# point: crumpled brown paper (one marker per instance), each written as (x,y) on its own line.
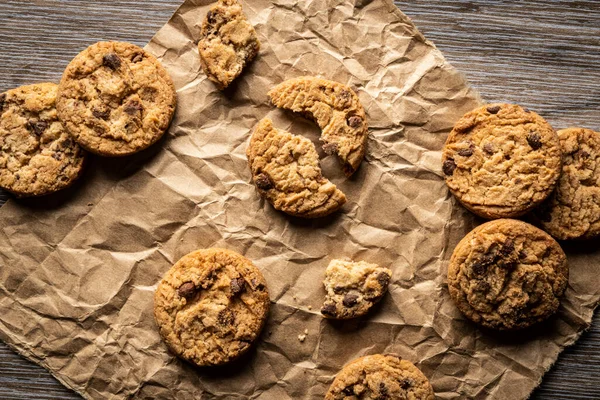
(79,269)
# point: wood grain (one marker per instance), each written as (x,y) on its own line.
(542,54)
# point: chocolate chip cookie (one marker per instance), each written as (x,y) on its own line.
(353,288)
(507,274)
(501,160)
(211,306)
(335,108)
(285,169)
(573,209)
(37,155)
(227,44)
(115,99)
(379,377)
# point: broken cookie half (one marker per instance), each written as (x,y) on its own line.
(335,108)
(227,44)
(353,288)
(285,169)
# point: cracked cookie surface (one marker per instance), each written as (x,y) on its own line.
(379,377)
(353,288)
(227,44)
(337,111)
(37,155)
(507,274)
(501,160)
(573,210)
(285,169)
(116,99)
(211,306)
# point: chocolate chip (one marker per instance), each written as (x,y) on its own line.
(383,279)
(226,317)
(330,148)
(406,383)
(263,182)
(38,127)
(466,152)
(383,391)
(137,58)
(488,148)
(350,300)
(237,285)
(345,96)
(187,290)
(338,289)
(328,309)
(507,248)
(478,268)
(101,114)
(522,254)
(494,109)
(112,61)
(133,107)
(354,121)
(449,166)
(17,176)
(211,17)
(348,390)
(534,140)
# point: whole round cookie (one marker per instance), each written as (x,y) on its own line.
(507,274)
(115,99)
(501,160)
(37,155)
(211,306)
(573,210)
(380,377)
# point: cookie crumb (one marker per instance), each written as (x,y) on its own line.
(302,338)
(310,307)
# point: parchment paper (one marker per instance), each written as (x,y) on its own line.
(78,270)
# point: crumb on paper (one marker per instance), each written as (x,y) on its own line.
(302,338)
(310,307)
(90,204)
(306,331)
(295,298)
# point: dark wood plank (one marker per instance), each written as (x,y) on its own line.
(545,55)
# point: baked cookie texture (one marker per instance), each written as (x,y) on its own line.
(115,99)
(379,377)
(501,160)
(337,111)
(211,306)
(227,44)
(353,288)
(37,155)
(573,209)
(507,274)
(285,169)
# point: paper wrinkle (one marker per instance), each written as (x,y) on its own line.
(78,278)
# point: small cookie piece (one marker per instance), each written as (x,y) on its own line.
(573,210)
(379,377)
(335,108)
(501,160)
(507,274)
(227,44)
(115,99)
(353,288)
(37,155)
(211,306)
(285,169)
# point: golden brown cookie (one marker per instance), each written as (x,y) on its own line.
(573,209)
(285,169)
(379,377)
(335,108)
(227,44)
(37,155)
(353,288)
(501,160)
(211,306)
(507,274)
(115,99)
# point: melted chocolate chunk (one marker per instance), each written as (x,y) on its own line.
(465,152)
(330,148)
(383,279)
(354,121)
(449,166)
(237,285)
(38,127)
(328,309)
(350,300)
(507,248)
(112,61)
(263,182)
(187,290)
(133,107)
(534,140)
(226,317)
(101,114)
(494,109)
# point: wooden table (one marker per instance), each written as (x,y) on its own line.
(542,54)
